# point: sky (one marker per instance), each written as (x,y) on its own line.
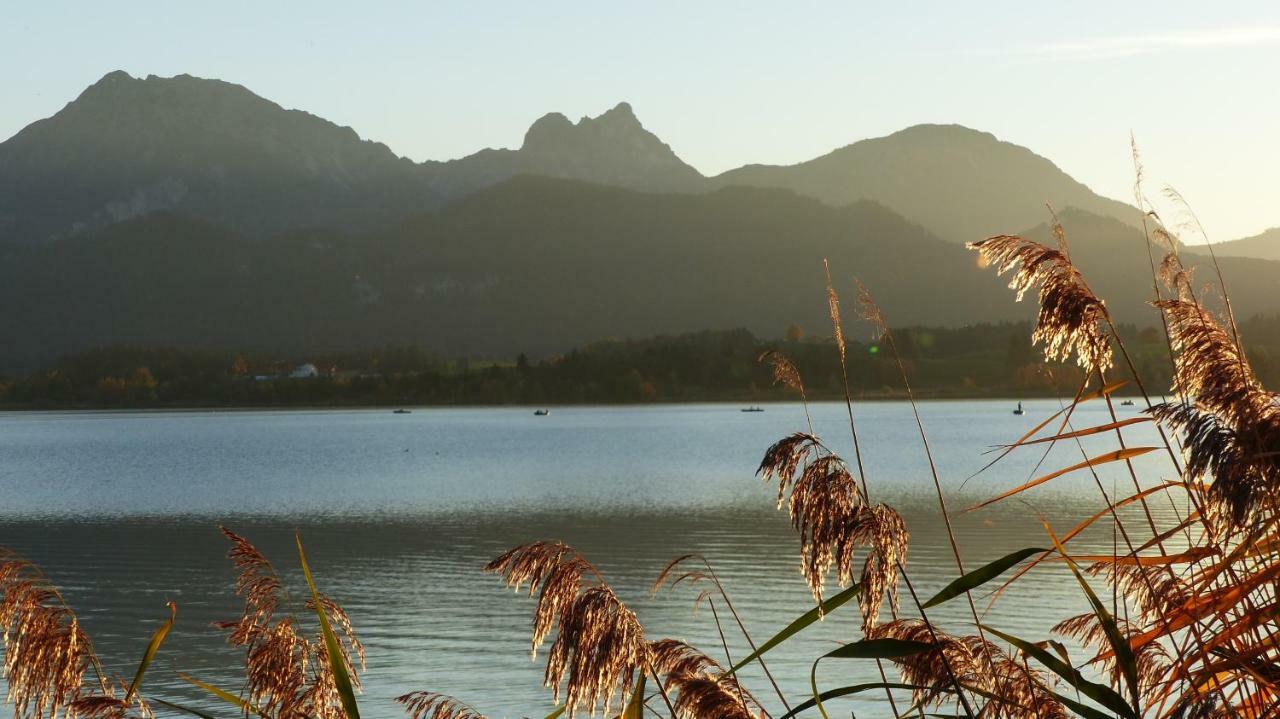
(724,83)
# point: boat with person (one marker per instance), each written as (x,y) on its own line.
(753,408)
(541,412)
(1019,409)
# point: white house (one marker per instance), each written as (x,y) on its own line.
(305,371)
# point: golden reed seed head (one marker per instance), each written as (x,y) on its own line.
(46,653)
(1229,422)
(700,689)
(287,670)
(784,370)
(599,649)
(1153,660)
(1007,685)
(833,308)
(259,586)
(430,705)
(1071,319)
(869,310)
(828,513)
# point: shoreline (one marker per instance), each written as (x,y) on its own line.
(734,403)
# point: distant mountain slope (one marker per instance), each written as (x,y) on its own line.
(959,183)
(1264,246)
(206,148)
(537,265)
(611,149)
(532,264)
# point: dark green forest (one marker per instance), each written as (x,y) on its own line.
(986,360)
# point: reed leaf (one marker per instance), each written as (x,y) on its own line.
(1103,391)
(846,691)
(183,708)
(341,679)
(982,575)
(226,696)
(635,707)
(1090,430)
(152,647)
(1114,456)
(1123,652)
(1104,695)
(883,648)
(800,622)
(1194,554)
(1080,708)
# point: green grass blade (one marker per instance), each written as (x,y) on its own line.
(845,691)
(337,665)
(182,708)
(225,696)
(152,647)
(1084,710)
(864,649)
(1125,658)
(556,714)
(982,575)
(800,622)
(1104,695)
(878,649)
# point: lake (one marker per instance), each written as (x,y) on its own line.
(399,512)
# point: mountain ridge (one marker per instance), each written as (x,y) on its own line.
(215,149)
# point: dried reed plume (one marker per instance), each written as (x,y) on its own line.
(110,705)
(599,650)
(833,308)
(46,653)
(1230,423)
(258,584)
(1153,659)
(287,670)
(430,705)
(784,370)
(1071,318)
(833,521)
(1012,690)
(698,683)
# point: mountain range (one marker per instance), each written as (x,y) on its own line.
(192,212)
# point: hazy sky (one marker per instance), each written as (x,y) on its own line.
(724,83)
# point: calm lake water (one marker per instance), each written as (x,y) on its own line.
(400,512)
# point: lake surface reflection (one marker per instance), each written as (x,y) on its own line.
(400,512)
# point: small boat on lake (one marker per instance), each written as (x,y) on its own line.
(1019,409)
(1127,403)
(403,411)
(541,412)
(753,409)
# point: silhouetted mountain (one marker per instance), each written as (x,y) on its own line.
(205,148)
(1264,246)
(215,150)
(161,192)
(612,149)
(961,184)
